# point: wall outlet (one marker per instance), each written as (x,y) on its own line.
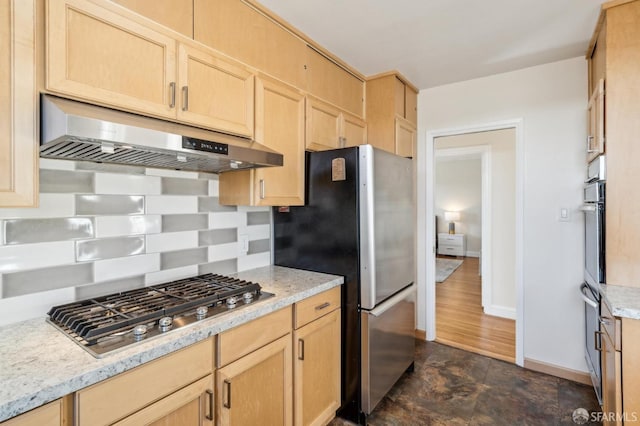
(243,244)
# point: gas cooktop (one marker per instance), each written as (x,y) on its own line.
(107,323)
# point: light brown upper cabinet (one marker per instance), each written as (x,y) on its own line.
(405,137)
(213,92)
(174,14)
(18,100)
(279,126)
(98,54)
(328,127)
(392,113)
(241,31)
(332,83)
(614,56)
(595,111)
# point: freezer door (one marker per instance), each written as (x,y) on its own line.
(386,224)
(388,345)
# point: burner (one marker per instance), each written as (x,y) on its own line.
(111,322)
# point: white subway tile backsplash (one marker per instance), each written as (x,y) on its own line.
(172,241)
(257,232)
(254,261)
(33,305)
(172,173)
(121,267)
(171,204)
(113,226)
(50,205)
(223,252)
(40,255)
(226,220)
(108,248)
(171,274)
(214,187)
(104,228)
(112,183)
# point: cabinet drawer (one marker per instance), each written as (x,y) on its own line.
(115,398)
(316,306)
(451,250)
(450,240)
(610,325)
(244,339)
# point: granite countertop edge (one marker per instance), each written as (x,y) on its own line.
(63,367)
(623,301)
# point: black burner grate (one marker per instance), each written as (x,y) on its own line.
(92,319)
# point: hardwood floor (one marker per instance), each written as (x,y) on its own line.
(460,321)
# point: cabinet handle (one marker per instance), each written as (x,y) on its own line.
(209,416)
(262,189)
(342,142)
(597,337)
(324,305)
(589,150)
(172,86)
(185,98)
(227,402)
(301,349)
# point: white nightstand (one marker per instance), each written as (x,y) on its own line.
(452,244)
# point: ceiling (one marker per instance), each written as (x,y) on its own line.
(435,42)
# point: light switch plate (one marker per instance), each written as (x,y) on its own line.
(243,244)
(565,215)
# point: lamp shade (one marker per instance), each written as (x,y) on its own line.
(451,216)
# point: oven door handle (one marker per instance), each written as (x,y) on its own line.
(586,299)
(588,208)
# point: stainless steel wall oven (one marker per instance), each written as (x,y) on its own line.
(594,266)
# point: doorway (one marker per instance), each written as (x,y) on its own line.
(426,226)
(473,310)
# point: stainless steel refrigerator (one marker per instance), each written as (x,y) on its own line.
(358,222)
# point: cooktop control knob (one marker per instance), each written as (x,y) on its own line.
(139,332)
(164,324)
(232,301)
(248,297)
(201,312)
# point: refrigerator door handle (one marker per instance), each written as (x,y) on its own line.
(392,301)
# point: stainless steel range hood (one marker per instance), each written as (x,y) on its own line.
(72,130)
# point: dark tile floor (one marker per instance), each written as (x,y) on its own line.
(453,387)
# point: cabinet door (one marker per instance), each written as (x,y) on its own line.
(317,370)
(595,138)
(214,93)
(51,414)
(323,125)
(411,106)
(175,14)
(329,81)
(405,137)
(18,100)
(256,389)
(280,126)
(98,55)
(611,381)
(192,405)
(354,130)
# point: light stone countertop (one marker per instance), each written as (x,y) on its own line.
(623,301)
(38,363)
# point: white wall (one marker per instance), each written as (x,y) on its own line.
(551,100)
(459,188)
(503,211)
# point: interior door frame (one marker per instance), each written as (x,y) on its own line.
(426,226)
(484,153)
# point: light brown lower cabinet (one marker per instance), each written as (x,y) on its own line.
(192,405)
(317,370)
(257,388)
(611,380)
(54,413)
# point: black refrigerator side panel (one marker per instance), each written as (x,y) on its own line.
(323,236)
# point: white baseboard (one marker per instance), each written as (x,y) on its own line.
(500,311)
(472,254)
(555,370)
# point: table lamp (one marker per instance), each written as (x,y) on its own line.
(451,217)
